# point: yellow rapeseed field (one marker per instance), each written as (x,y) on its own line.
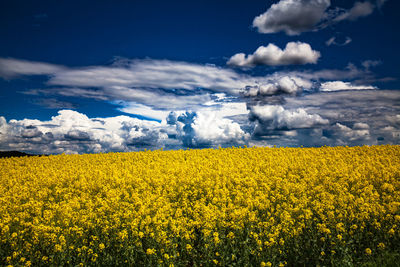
(225,207)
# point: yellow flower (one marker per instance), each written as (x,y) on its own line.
(57,248)
(230,235)
(368,251)
(381,245)
(150,251)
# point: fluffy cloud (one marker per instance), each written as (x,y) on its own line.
(296,16)
(277,117)
(356,133)
(280,85)
(294,53)
(339,85)
(339,134)
(291,16)
(205,129)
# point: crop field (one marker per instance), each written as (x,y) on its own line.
(328,206)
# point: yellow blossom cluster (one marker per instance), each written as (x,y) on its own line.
(233,206)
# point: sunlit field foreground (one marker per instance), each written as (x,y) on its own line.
(225,207)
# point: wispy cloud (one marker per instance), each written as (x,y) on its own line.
(339,85)
(333,41)
(360,9)
(10,68)
(154,74)
(53,103)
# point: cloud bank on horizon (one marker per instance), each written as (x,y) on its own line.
(272,96)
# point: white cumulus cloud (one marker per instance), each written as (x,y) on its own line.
(278,85)
(277,117)
(207,128)
(294,53)
(346,134)
(291,16)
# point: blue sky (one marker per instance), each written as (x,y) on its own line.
(88,77)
